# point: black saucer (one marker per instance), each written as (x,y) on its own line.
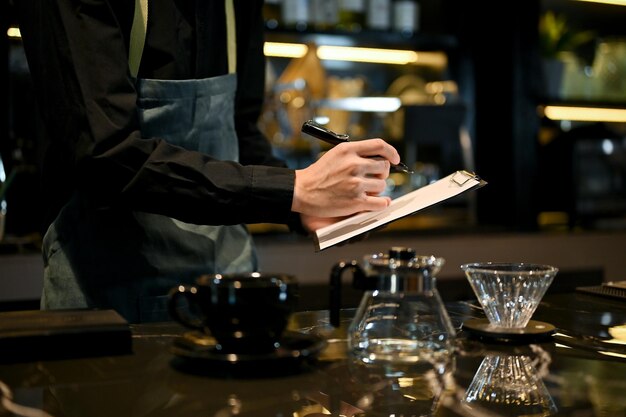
(199,350)
(533,332)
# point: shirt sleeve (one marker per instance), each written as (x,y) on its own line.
(77,54)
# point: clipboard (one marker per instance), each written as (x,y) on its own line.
(450,186)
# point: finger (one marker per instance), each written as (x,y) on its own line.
(377,147)
(378,203)
(378,168)
(374,186)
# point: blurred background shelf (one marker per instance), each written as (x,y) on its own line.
(543,174)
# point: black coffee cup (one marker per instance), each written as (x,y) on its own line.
(245,312)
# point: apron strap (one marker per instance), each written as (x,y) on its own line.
(140,29)
(231,37)
(138,36)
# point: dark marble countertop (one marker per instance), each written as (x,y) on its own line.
(580,371)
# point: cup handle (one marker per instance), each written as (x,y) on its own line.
(335,289)
(188,292)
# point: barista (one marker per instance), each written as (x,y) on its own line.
(154,160)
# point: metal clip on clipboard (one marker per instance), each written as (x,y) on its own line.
(461,177)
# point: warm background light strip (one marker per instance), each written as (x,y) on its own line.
(285,50)
(14,33)
(614,2)
(355,54)
(585,114)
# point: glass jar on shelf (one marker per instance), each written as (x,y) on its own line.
(352,15)
(378,14)
(272,13)
(296,14)
(324,14)
(406,17)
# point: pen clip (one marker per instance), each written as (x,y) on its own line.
(310,127)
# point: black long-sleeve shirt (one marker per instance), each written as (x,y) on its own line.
(78,57)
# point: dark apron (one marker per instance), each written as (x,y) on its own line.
(127,260)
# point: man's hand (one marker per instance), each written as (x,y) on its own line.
(347,179)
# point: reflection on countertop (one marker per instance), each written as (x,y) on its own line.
(482,378)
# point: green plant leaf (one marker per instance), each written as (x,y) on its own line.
(555,35)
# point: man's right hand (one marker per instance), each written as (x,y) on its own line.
(347,179)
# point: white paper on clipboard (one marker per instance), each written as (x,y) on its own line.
(452,185)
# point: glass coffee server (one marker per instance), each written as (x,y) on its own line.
(401,320)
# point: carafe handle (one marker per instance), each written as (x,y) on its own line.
(335,288)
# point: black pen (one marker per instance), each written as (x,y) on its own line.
(310,127)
